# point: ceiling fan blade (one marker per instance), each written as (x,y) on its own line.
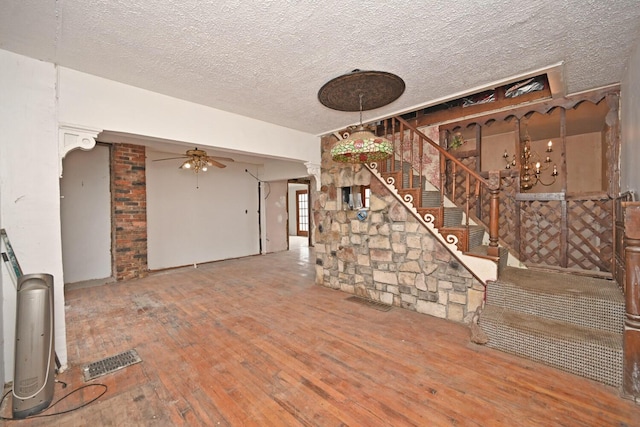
(170,158)
(216,163)
(224,159)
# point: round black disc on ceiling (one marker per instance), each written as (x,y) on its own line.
(378,88)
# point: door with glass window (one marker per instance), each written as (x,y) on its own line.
(302,212)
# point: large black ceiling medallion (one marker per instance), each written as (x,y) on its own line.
(361,90)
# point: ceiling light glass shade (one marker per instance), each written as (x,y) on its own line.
(186,165)
(362,146)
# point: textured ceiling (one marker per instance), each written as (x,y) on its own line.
(268,59)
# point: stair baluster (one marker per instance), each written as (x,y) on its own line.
(406,170)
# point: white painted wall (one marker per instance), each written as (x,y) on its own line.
(199,218)
(293,217)
(630,122)
(85,210)
(3,377)
(104,104)
(30,191)
(276,170)
(275,205)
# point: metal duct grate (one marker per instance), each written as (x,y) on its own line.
(110,364)
(369,303)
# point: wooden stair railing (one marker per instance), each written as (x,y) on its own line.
(406,168)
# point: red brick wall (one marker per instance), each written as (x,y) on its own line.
(129,211)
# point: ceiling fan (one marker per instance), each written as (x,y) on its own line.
(197,160)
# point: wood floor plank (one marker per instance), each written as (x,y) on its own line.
(254,342)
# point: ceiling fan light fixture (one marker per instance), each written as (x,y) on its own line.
(198,160)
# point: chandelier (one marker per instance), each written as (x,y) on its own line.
(532,165)
(358,91)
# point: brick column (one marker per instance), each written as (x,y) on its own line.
(129,211)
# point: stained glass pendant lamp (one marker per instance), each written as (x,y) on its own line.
(361,91)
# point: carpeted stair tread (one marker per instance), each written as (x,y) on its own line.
(594,303)
(555,328)
(591,353)
(561,283)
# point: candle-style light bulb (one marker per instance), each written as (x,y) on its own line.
(549,146)
(537,167)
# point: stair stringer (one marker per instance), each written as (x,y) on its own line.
(481,268)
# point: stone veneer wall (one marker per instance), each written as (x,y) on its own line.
(129,211)
(389,257)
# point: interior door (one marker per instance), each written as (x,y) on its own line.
(302,212)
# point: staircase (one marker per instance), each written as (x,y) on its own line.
(571,322)
(428,203)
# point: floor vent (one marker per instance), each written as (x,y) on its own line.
(369,303)
(110,364)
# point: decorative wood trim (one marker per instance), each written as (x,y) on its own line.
(457,236)
(410,195)
(432,215)
(314,169)
(71,137)
(542,107)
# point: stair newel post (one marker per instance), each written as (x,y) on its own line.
(631,363)
(494,213)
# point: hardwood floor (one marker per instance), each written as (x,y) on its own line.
(254,342)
